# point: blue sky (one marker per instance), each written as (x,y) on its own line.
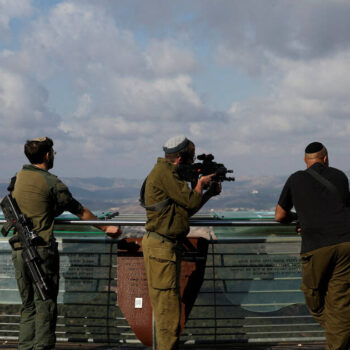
(252,82)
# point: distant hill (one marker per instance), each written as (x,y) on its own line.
(100,193)
(122,194)
(105,193)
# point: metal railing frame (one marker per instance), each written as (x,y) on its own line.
(193,222)
(204,221)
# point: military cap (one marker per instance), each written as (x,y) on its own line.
(175,144)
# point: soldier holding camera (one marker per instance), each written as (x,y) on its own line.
(41,196)
(170,203)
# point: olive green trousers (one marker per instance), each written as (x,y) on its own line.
(38,318)
(163,263)
(326,287)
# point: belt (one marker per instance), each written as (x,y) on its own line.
(161,237)
(51,244)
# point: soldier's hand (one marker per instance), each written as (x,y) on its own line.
(215,188)
(204,181)
(112,231)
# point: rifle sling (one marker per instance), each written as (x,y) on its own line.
(159,205)
(331,187)
(154,207)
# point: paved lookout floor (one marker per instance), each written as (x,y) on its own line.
(72,346)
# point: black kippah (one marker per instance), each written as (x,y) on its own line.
(314,147)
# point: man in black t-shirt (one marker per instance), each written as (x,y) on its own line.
(321,198)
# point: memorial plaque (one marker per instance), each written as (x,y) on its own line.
(133,298)
(262,277)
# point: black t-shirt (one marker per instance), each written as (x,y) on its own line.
(324,216)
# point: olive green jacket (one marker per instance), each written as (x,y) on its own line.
(41,196)
(162,183)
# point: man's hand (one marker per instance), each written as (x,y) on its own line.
(112,231)
(203,183)
(214,188)
(284,216)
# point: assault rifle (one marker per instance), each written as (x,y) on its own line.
(28,239)
(191,172)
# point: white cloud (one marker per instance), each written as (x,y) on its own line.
(82,39)
(22,101)
(84,106)
(249,33)
(10,9)
(23,115)
(121,96)
(163,98)
(132,84)
(311,101)
(165,58)
(136,110)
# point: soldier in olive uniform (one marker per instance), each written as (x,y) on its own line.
(169,204)
(41,196)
